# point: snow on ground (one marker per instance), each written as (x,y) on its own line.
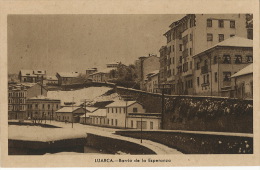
(37,133)
(89,93)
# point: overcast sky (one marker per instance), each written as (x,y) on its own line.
(76,42)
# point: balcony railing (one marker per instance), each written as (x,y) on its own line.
(204,69)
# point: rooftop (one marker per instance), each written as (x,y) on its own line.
(68,74)
(68,109)
(247,70)
(41,97)
(121,103)
(98,112)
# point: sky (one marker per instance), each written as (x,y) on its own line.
(64,43)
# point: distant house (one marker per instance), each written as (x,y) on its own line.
(98,117)
(51,81)
(113,65)
(152,82)
(69,114)
(84,119)
(101,76)
(32,76)
(18,95)
(244,83)
(65,78)
(90,71)
(41,107)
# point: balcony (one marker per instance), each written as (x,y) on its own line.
(204,69)
(204,84)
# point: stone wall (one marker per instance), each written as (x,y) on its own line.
(197,113)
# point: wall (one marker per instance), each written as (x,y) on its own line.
(247,81)
(192,143)
(35,91)
(155,121)
(198,113)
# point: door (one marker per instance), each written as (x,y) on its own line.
(141,123)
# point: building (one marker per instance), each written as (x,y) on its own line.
(244,83)
(101,76)
(146,121)
(51,81)
(152,82)
(32,76)
(117,112)
(70,114)
(97,117)
(65,78)
(85,119)
(17,96)
(90,71)
(191,35)
(214,67)
(113,64)
(163,64)
(145,65)
(41,107)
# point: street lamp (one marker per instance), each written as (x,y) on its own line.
(163,87)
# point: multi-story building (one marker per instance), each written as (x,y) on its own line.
(41,107)
(90,71)
(191,35)
(163,64)
(17,96)
(152,82)
(102,75)
(32,76)
(145,65)
(214,67)
(113,65)
(65,78)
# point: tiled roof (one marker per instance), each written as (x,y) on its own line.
(247,70)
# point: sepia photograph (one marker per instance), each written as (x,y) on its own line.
(130,88)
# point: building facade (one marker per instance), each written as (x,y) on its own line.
(152,82)
(214,67)
(145,65)
(191,35)
(18,95)
(41,107)
(244,83)
(90,71)
(32,76)
(66,78)
(70,114)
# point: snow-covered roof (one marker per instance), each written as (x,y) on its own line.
(68,74)
(121,103)
(247,70)
(67,109)
(99,112)
(51,78)
(234,41)
(28,73)
(91,109)
(41,97)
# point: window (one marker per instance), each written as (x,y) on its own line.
(209,23)
(112,110)
(180,47)
(198,65)
(215,59)
(221,23)
(207,78)
(112,121)
(232,35)
(216,76)
(226,76)
(132,124)
(116,110)
(151,125)
(198,81)
(232,24)
(36,105)
(190,64)
(238,59)
(190,51)
(209,37)
(108,121)
(191,37)
(226,59)
(204,79)
(249,58)
(49,106)
(57,106)
(107,110)
(220,37)
(135,110)
(116,122)
(173,72)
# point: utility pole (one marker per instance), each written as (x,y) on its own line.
(72,112)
